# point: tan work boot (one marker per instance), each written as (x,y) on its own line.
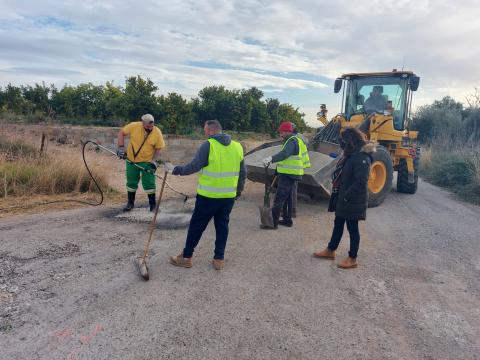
(218,264)
(325,254)
(179,260)
(348,263)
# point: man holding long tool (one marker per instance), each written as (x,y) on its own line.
(295,186)
(291,162)
(143,152)
(221,181)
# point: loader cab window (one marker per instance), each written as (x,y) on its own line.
(377,94)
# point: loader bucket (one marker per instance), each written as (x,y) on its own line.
(317,179)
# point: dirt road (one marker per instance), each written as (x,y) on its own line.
(68,289)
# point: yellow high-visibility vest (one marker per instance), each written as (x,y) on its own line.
(219,179)
(304,152)
(294,164)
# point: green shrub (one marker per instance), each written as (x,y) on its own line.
(470,192)
(450,170)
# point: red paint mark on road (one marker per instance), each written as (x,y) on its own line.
(84,339)
(62,334)
(71,355)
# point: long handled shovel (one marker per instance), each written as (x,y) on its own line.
(266,218)
(141,262)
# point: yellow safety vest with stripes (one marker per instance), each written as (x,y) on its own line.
(304,152)
(219,178)
(295,164)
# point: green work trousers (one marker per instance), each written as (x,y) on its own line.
(134,174)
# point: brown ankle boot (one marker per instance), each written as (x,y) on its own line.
(348,263)
(325,254)
(179,260)
(218,264)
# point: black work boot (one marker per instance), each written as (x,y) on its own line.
(131,201)
(286,223)
(152,202)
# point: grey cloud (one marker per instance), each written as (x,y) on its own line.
(41,71)
(434,38)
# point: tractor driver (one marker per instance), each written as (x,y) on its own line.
(376,101)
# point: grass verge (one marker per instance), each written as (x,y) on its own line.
(26,174)
(454,166)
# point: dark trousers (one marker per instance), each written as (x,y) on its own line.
(294,195)
(283,199)
(352,226)
(286,206)
(205,209)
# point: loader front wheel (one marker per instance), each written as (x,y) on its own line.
(381,176)
(403,185)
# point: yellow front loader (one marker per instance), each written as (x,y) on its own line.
(379,104)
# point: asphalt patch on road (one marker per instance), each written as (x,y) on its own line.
(171,215)
(56,251)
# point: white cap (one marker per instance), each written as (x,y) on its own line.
(147,118)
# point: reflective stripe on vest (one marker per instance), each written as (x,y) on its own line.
(219,178)
(294,164)
(304,152)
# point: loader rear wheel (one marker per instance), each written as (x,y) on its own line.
(381,176)
(403,186)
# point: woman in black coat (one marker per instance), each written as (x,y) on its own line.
(349,194)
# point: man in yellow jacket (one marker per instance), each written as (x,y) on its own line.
(146,142)
(221,181)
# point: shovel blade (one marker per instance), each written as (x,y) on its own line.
(266,218)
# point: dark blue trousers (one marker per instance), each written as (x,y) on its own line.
(205,209)
(352,226)
(283,199)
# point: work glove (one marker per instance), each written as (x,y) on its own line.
(121,153)
(239,193)
(176,170)
(168,166)
(267,161)
(153,166)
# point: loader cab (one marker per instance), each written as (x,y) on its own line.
(385,93)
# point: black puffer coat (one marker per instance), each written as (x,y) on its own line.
(353,193)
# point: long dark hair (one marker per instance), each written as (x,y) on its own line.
(353,139)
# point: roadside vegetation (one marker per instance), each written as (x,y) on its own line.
(449,130)
(24,171)
(111,105)
(450,138)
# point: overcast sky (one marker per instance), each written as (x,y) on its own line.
(292,50)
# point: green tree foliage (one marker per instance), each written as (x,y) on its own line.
(272,108)
(176,115)
(140,97)
(447,118)
(111,105)
(37,96)
(287,111)
(114,102)
(13,99)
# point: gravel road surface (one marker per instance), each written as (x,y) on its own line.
(68,289)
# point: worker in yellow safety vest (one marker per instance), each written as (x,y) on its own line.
(291,162)
(222,177)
